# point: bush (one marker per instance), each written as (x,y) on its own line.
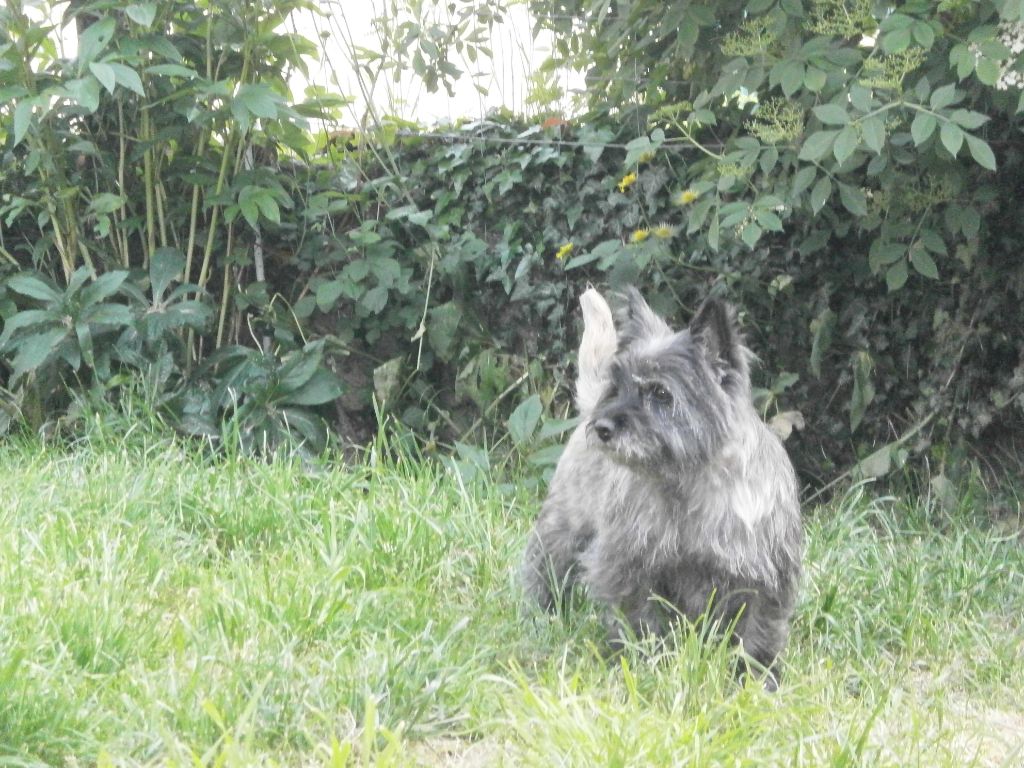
(253,266)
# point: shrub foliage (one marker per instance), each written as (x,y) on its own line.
(845,172)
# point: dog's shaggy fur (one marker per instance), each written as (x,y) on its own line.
(671,490)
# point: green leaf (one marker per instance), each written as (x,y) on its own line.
(35,350)
(103,287)
(923,34)
(105,74)
(524,419)
(129,78)
(22,119)
(896,41)
(84,334)
(845,144)
(27,318)
(105,202)
(863,389)
(258,100)
(981,152)
(172,70)
(142,14)
(987,70)
(442,327)
(791,77)
(93,40)
(872,131)
(817,144)
(952,138)
(33,287)
(877,464)
(943,97)
(923,263)
(853,200)
(832,114)
(822,328)
(896,275)
(802,180)
(820,193)
(750,234)
(322,387)
(922,127)
(814,79)
(166,266)
(85,91)
(968,119)
(117,315)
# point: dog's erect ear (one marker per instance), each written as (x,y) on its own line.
(637,321)
(596,349)
(714,328)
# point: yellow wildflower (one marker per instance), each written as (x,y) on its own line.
(564,251)
(646,157)
(663,231)
(639,235)
(627,181)
(687,196)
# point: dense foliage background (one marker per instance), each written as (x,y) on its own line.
(175,227)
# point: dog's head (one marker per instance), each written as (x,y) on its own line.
(670,397)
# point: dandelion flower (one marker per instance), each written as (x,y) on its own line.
(663,231)
(564,251)
(627,181)
(639,235)
(687,196)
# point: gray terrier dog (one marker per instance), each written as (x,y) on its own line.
(672,497)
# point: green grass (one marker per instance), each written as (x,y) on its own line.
(161,607)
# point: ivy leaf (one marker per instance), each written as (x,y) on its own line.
(524,419)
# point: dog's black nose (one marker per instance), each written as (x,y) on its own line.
(605,428)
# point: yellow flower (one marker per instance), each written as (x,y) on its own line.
(646,157)
(687,196)
(663,231)
(627,181)
(639,235)
(564,251)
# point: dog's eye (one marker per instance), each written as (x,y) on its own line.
(659,394)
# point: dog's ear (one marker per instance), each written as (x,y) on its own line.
(636,320)
(596,349)
(714,328)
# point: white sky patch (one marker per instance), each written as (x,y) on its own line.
(504,79)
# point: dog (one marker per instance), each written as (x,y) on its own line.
(672,498)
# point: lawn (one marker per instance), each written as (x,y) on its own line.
(161,607)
